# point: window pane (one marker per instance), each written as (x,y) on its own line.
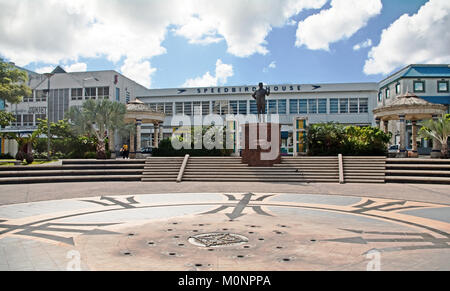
(243,107)
(282,106)
(397,88)
(334,106)
(354,105)
(188,108)
(380,96)
(303,106)
(442,86)
(233,107)
(312,106)
(168,109)
(363,105)
(388,93)
(253,108)
(205,107)
(322,106)
(419,86)
(293,106)
(343,105)
(272,106)
(224,107)
(179,108)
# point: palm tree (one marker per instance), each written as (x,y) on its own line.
(100,119)
(439,130)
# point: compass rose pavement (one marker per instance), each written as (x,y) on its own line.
(275,231)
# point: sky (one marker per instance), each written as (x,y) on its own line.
(203,43)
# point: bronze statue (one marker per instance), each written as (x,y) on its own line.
(260,96)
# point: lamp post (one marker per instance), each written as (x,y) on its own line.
(48,75)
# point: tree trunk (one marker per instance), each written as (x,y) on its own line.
(101,150)
(444,150)
(112,145)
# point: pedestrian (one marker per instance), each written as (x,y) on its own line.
(125,152)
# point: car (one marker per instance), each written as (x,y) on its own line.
(393,149)
(147,150)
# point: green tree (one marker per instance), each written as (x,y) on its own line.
(13,83)
(99,119)
(437,129)
(6,118)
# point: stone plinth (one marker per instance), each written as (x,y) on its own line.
(262,146)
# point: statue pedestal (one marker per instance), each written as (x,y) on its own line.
(262,146)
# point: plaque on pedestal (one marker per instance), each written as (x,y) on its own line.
(262,146)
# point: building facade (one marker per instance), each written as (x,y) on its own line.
(429,82)
(346,103)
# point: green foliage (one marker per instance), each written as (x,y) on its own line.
(13,83)
(98,119)
(331,139)
(6,118)
(437,129)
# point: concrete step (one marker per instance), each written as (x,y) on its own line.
(92,161)
(418,179)
(59,179)
(417,172)
(417,166)
(73,167)
(296,180)
(44,173)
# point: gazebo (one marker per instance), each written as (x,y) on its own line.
(139,113)
(413,108)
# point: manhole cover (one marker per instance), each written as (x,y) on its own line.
(217,239)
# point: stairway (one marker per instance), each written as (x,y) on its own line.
(74,171)
(418,170)
(364,169)
(230,169)
(161,169)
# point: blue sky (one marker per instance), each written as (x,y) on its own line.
(277,41)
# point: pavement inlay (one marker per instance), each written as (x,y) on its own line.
(224,231)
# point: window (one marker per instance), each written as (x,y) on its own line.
(334,105)
(188,108)
(293,106)
(39,116)
(380,96)
(388,93)
(353,105)
(103,93)
(205,107)
(343,105)
(243,107)
(322,106)
(152,106)
(18,121)
(312,106)
(419,86)
(363,105)
(197,108)
(397,88)
(41,96)
(117,94)
(442,86)
(253,108)
(282,106)
(29,98)
(160,107)
(272,106)
(216,107)
(28,120)
(233,107)
(77,94)
(179,108)
(224,107)
(90,93)
(303,106)
(168,109)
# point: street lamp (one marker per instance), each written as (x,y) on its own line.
(48,75)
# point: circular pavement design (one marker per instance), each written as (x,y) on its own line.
(225,231)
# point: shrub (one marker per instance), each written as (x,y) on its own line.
(332,139)
(29,158)
(90,155)
(165,149)
(6,156)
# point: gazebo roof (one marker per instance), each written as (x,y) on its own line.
(410,105)
(139,110)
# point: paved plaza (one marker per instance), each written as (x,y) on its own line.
(224,226)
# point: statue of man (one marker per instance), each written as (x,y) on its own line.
(260,96)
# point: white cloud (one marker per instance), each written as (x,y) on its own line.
(364,44)
(43,70)
(138,71)
(77,67)
(272,65)
(62,31)
(223,72)
(421,38)
(341,21)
